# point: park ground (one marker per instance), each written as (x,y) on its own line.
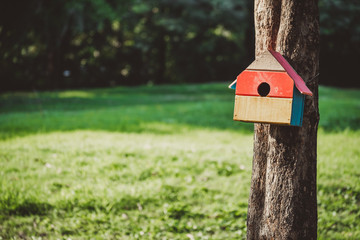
(155,162)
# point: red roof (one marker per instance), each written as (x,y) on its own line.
(299,82)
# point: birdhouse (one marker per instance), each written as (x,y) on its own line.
(270,91)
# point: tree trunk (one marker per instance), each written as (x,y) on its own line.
(282,202)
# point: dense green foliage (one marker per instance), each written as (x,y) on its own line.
(104,43)
(77,43)
(154,162)
(340,42)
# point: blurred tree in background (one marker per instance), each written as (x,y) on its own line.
(94,43)
(340,42)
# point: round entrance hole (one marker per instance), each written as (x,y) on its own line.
(263,89)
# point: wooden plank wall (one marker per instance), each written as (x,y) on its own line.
(263,109)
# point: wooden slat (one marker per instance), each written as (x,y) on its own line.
(281,85)
(266,61)
(262,109)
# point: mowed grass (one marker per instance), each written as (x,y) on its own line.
(164,162)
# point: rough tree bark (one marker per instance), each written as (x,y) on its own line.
(282,202)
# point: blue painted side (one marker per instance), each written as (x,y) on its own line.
(297,108)
(233,85)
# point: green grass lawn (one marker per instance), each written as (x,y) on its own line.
(164,162)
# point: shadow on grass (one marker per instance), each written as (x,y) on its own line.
(14,203)
(160,109)
(75,100)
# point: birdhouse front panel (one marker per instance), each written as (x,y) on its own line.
(256,83)
(270,91)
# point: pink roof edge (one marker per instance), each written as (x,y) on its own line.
(299,82)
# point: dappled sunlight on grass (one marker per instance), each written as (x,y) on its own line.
(75,94)
(172,179)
